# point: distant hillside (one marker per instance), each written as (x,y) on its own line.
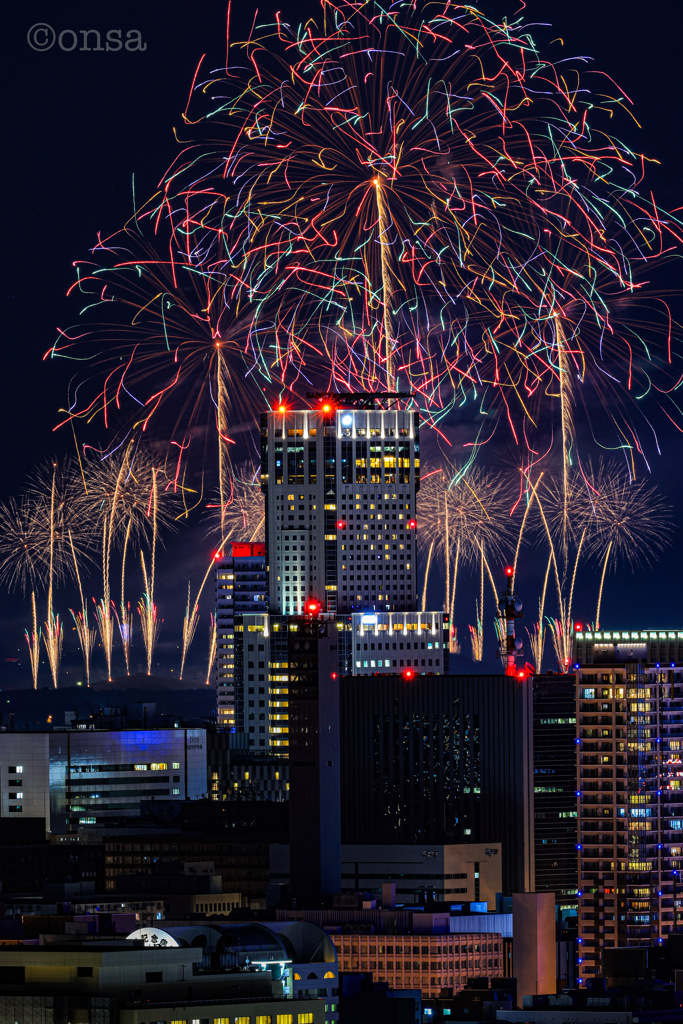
(45,708)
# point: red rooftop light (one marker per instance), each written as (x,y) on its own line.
(341,524)
(408,673)
(313,607)
(218,554)
(412,524)
(509,570)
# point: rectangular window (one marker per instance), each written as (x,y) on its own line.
(361,462)
(264,1018)
(295,464)
(347,462)
(151,976)
(285,1018)
(304,1018)
(159,766)
(278,462)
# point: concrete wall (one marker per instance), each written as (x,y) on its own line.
(533,950)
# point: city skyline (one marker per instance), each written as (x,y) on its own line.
(90,211)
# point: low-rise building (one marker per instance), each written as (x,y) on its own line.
(237,973)
(431,963)
(74,778)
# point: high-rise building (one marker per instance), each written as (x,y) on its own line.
(630,798)
(240,589)
(555,814)
(372,642)
(314,763)
(624,646)
(341,484)
(440,759)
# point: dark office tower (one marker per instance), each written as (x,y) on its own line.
(240,589)
(554,746)
(341,483)
(314,830)
(440,759)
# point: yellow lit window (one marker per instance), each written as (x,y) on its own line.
(242,1020)
(285,1018)
(263,1018)
(304,1018)
(159,766)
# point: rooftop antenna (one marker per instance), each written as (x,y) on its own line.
(510,608)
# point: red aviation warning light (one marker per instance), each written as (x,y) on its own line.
(408,673)
(217,555)
(281,408)
(509,570)
(341,524)
(313,607)
(412,524)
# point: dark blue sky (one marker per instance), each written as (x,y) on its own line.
(78,126)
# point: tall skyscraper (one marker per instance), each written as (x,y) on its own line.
(630,799)
(341,484)
(240,589)
(314,771)
(555,814)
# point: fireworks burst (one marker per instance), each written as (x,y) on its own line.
(33,639)
(630,521)
(124,619)
(388,198)
(244,516)
(213,642)
(464,520)
(86,638)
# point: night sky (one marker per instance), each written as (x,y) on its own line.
(78,126)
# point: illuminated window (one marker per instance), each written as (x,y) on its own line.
(159,766)
(176,764)
(140,767)
(285,1018)
(304,1018)
(264,1018)
(242,1020)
